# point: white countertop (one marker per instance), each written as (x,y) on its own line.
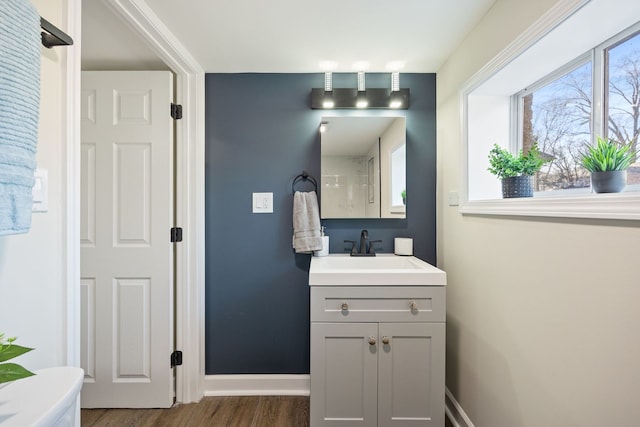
(42,400)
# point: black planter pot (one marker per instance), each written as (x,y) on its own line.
(608,181)
(517,186)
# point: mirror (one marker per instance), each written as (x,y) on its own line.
(363,163)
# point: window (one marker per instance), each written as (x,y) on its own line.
(623,95)
(398,177)
(559,86)
(557,116)
(557,113)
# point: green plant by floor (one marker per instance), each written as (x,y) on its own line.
(608,155)
(9,350)
(503,164)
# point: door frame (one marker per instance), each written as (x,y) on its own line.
(189,198)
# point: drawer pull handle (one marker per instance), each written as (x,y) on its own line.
(385,340)
(345,306)
(372,341)
(413,305)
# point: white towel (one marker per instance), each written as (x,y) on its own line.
(306,222)
(19,108)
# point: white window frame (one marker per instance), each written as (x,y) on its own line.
(625,205)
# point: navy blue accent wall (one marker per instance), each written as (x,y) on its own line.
(260,134)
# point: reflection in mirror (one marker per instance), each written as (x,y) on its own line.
(398,178)
(363,167)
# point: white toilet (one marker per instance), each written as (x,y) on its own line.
(48,399)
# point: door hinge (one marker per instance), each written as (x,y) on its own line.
(176,111)
(176,234)
(176,358)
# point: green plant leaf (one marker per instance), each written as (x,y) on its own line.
(503,164)
(11,372)
(9,351)
(607,155)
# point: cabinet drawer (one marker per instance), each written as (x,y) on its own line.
(378,304)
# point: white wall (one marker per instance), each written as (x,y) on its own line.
(392,137)
(543,317)
(344,180)
(32,266)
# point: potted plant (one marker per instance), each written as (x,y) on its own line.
(515,171)
(608,161)
(9,350)
(404,197)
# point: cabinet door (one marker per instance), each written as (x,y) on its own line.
(411,374)
(343,374)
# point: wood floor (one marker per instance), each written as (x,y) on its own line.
(241,411)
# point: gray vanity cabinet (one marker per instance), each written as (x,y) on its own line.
(344,375)
(377,356)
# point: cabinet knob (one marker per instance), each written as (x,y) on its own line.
(372,341)
(385,340)
(345,306)
(413,305)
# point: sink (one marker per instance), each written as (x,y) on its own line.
(381,270)
(49,398)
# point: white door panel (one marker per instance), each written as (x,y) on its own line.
(127,258)
(411,375)
(344,374)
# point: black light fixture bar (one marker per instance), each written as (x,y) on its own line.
(345,98)
(53,36)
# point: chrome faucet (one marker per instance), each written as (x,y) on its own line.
(365,250)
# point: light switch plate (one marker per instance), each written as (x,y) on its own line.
(453,198)
(262,203)
(40,191)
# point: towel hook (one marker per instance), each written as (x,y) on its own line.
(304,176)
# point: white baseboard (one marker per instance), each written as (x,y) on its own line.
(256,385)
(455,413)
(297,385)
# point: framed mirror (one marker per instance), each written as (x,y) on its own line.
(363,164)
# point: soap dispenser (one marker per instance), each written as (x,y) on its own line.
(325,244)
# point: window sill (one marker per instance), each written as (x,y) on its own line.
(622,206)
(398,209)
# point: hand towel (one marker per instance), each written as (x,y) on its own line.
(19,108)
(306,222)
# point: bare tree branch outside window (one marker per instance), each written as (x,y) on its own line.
(558,117)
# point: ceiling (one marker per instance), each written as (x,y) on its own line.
(289,36)
(353,136)
(109,44)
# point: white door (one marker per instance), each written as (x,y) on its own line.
(411,363)
(126,253)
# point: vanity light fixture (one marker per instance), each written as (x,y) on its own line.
(395,99)
(327,100)
(360,97)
